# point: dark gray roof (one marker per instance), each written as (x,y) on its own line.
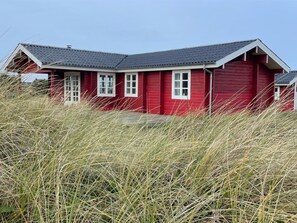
(180,57)
(285,79)
(73,57)
(90,59)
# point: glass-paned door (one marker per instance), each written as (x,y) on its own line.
(72,88)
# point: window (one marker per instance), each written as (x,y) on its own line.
(131,85)
(106,85)
(181,82)
(276,93)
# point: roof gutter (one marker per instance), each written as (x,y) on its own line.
(210,90)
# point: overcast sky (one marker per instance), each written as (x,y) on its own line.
(135,26)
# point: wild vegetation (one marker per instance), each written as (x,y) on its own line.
(78,164)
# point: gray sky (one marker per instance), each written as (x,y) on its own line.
(135,26)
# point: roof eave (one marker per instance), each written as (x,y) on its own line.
(256,43)
(19,48)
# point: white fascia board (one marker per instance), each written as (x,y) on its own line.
(15,52)
(76,68)
(255,44)
(273,56)
(237,53)
(30,55)
(167,68)
(293,81)
(282,85)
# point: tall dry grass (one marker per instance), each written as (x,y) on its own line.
(75,164)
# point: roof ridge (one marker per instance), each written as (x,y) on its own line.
(207,45)
(64,48)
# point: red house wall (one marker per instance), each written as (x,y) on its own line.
(153,92)
(233,86)
(197,98)
(129,103)
(265,87)
(287,98)
(243,84)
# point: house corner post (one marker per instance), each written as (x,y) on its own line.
(52,83)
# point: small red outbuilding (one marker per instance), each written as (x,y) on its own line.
(286,91)
(228,76)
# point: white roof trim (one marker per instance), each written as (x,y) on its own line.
(76,68)
(293,81)
(255,44)
(167,68)
(19,48)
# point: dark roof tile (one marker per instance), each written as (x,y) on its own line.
(285,79)
(99,60)
(73,57)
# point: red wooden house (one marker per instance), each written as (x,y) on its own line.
(286,91)
(199,79)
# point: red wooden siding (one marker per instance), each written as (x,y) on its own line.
(129,103)
(242,84)
(197,97)
(56,81)
(233,86)
(265,86)
(153,101)
(287,98)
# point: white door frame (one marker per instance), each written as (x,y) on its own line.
(71,75)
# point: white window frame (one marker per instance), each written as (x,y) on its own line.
(181,97)
(106,94)
(276,93)
(136,86)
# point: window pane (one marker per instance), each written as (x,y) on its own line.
(185,84)
(128,84)
(134,77)
(133,84)
(185,76)
(128,77)
(102,90)
(133,90)
(177,92)
(128,90)
(177,84)
(177,76)
(109,90)
(185,92)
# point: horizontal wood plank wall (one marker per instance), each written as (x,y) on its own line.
(153,92)
(287,98)
(234,85)
(58,86)
(265,86)
(129,103)
(197,97)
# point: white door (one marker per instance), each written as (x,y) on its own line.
(295,96)
(71,88)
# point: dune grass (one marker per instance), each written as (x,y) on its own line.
(77,164)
